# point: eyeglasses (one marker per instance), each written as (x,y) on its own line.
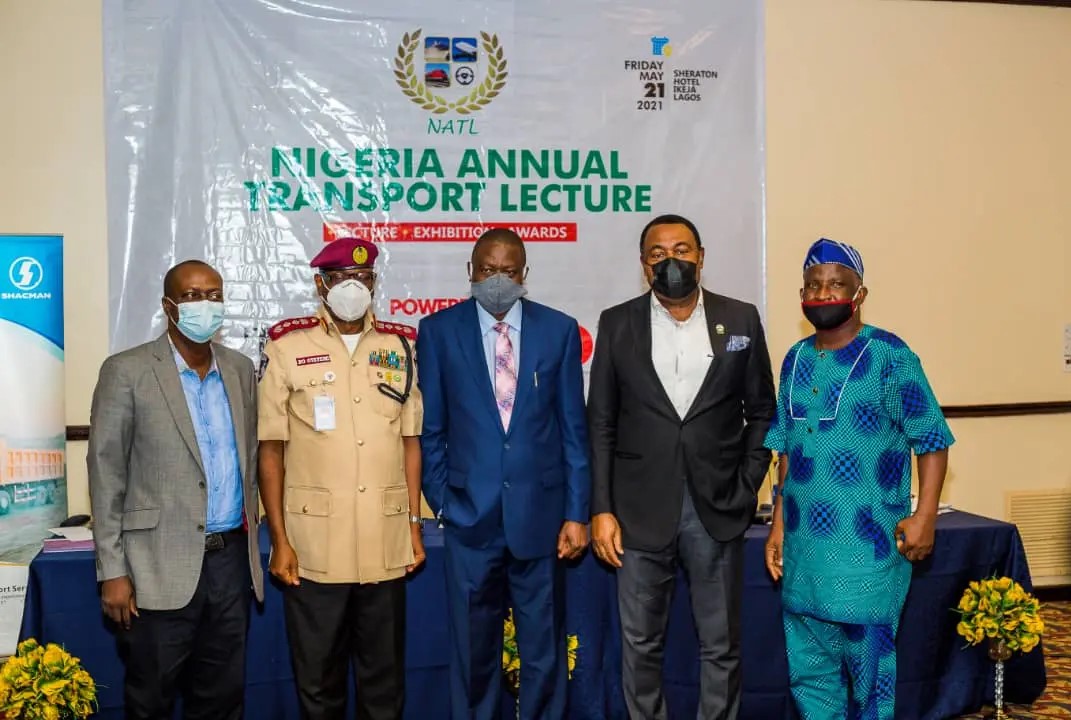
(195,295)
(334,277)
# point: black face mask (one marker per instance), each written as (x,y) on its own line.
(674,278)
(828,315)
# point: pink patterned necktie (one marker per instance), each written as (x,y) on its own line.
(505,374)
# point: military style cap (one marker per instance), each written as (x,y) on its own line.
(346,253)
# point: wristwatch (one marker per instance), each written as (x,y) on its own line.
(416,520)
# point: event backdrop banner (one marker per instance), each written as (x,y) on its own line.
(33,437)
(249,132)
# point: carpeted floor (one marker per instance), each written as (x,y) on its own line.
(1055,702)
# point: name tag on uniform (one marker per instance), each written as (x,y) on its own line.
(323,411)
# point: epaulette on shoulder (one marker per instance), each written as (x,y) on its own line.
(406,331)
(287,326)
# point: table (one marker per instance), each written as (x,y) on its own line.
(937,677)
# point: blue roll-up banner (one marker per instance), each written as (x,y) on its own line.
(33,467)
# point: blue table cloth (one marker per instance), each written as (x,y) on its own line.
(937,677)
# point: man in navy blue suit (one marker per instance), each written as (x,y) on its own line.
(505,450)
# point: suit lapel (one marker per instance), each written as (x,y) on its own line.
(641,331)
(233,385)
(167,375)
(471,342)
(717,347)
(526,369)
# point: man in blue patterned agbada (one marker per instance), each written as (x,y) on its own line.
(853,406)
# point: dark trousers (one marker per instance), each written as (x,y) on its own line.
(478,583)
(329,625)
(197,651)
(715,572)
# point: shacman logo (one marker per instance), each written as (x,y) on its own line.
(25,273)
(449,61)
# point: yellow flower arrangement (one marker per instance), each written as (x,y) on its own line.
(999,610)
(511,656)
(45,683)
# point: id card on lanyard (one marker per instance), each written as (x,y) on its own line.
(323,411)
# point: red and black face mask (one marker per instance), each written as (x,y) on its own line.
(829,315)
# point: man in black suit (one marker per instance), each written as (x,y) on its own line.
(681,396)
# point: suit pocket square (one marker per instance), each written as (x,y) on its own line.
(737,343)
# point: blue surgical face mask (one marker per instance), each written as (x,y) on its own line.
(199,320)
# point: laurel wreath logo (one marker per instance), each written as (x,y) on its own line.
(412,84)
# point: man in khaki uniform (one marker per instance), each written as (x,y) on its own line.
(340,419)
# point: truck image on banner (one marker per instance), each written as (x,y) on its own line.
(29,476)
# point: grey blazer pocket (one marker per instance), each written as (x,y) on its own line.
(141,519)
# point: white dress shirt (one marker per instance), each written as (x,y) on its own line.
(680,352)
(490,336)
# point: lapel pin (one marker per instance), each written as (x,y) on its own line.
(329,376)
(719,329)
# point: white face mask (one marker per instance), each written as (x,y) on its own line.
(349,300)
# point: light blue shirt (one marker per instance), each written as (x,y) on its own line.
(490,336)
(213,425)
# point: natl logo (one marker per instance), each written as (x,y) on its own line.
(25,273)
(448,61)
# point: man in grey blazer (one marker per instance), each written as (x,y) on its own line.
(172,480)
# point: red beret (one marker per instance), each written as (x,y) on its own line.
(346,253)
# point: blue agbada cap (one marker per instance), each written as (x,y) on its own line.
(831,251)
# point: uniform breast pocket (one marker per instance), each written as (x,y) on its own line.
(301,402)
(310,380)
(308,519)
(397,545)
(387,387)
